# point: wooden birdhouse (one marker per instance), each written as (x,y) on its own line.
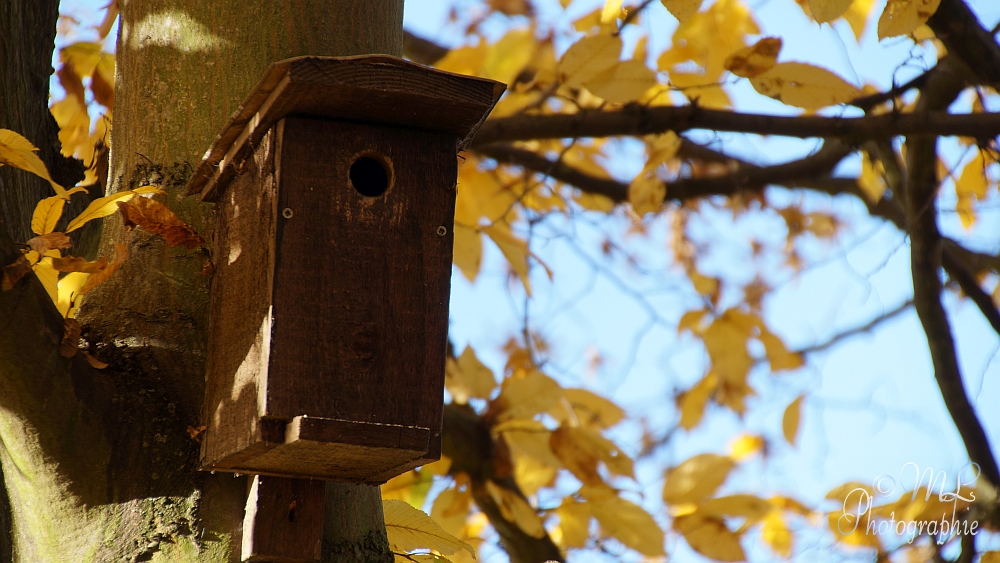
(335,193)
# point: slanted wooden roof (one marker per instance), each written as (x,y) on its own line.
(370,89)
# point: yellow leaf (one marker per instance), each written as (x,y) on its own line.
(790,420)
(468,251)
(691,320)
(400,486)
(530,438)
(594,202)
(107,205)
(725,341)
(706,39)
(589,57)
(646,194)
(905,16)
(624,520)
(852,491)
(746,446)
(777,535)
(623,82)
(872,179)
(468,377)
(990,557)
(515,509)
(805,86)
(464,60)
(710,537)
(527,396)
(778,354)
(842,524)
(531,474)
(507,58)
(683,10)
(580,450)
(696,479)
(18,152)
(574,522)
(68,290)
(612,8)
(704,285)
(47,214)
(514,249)
(824,11)
(737,506)
(450,509)
(857,16)
(694,400)
(49,277)
(589,408)
(408,528)
(755,59)
(971,186)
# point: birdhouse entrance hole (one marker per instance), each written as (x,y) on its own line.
(369,176)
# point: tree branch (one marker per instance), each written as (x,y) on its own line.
(962,34)
(421,50)
(867,327)
(468,443)
(810,172)
(925,260)
(634,119)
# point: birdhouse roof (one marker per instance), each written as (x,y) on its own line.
(376,89)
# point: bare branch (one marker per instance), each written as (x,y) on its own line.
(867,327)
(634,119)
(421,50)
(925,264)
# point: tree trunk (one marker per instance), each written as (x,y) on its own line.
(99,464)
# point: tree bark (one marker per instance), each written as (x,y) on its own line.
(99,464)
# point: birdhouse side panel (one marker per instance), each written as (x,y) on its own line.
(239,339)
(363,270)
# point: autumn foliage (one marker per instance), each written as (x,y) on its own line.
(516,435)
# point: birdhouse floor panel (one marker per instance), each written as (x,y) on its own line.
(331,449)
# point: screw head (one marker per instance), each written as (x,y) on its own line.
(442,230)
(287,213)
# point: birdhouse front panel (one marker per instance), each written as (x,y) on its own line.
(336,190)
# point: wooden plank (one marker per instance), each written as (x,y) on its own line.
(240,330)
(377,89)
(283,522)
(362,283)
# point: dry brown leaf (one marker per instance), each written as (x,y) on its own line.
(71,338)
(77,264)
(98,364)
(195,432)
(51,241)
(121,253)
(756,59)
(154,217)
(13,272)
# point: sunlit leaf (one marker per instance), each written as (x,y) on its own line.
(857,16)
(450,509)
(746,446)
(693,401)
(624,520)
(574,522)
(776,534)
(590,409)
(683,10)
(468,251)
(696,479)
(104,206)
(804,85)
(872,179)
(156,218)
(408,528)
(527,396)
(18,152)
(737,506)
(514,249)
(589,57)
(623,82)
(904,16)
(47,214)
(710,537)
(790,420)
(514,508)
(824,11)
(756,59)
